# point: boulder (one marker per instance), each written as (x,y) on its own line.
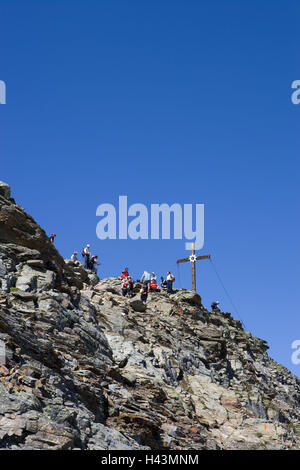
(189,296)
(137,305)
(4,190)
(112,285)
(158,302)
(31,279)
(81,272)
(92,279)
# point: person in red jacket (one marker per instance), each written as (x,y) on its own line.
(124,273)
(127,286)
(153,286)
(52,237)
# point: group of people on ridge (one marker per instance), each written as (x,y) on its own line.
(148,281)
(149,284)
(127,283)
(90,262)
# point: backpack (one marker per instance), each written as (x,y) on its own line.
(82,253)
(172,278)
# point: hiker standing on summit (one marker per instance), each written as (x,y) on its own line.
(144,292)
(86,254)
(170,279)
(146,278)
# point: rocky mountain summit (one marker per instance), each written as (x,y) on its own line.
(86,368)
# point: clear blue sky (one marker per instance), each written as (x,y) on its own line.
(164,101)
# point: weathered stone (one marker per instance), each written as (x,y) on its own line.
(137,305)
(190,297)
(24,295)
(36,263)
(32,278)
(4,190)
(81,272)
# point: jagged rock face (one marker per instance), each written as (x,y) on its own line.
(87,368)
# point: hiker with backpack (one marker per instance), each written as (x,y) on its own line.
(86,255)
(127,286)
(170,279)
(144,292)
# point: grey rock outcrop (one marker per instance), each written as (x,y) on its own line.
(85,368)
(4,190)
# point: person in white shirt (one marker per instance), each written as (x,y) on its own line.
(146,278)
(170,280)
(86,253)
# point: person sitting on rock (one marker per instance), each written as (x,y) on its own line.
(163,283)
(214,306)
(74,258)
(124,273)
(144,292)
(153,286)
